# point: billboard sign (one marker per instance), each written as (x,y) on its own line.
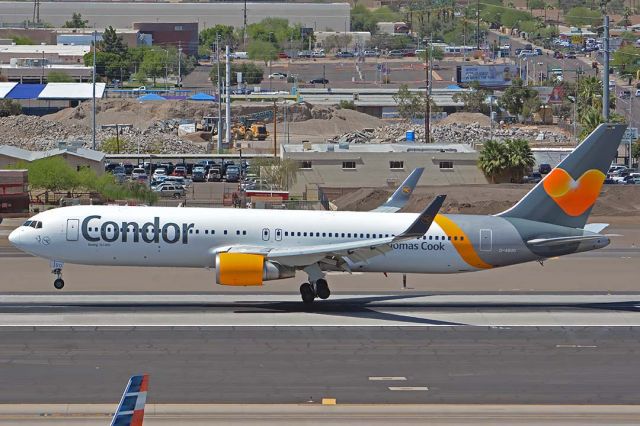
(488,75)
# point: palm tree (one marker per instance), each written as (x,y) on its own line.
(520,157)
(493,160)
(589,120)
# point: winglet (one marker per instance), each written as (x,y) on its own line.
(402,194)
(421,225)
(130,411)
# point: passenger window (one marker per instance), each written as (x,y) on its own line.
(367,235)
(455,238)
(324,234)
(348,235)
(461,238)
(244,232)
(449,238)
(286,233)
(304,234)
(237,232)
(206,231)
(225,232)
(317,234)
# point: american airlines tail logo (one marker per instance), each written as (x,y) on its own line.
(574,197)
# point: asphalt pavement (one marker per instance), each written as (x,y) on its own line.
(296,365)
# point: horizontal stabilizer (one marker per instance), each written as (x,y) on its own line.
(595,227)
(559,241)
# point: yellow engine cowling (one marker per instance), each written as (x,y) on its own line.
(244,269)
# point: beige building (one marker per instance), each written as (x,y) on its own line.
(77,158)
(380,165)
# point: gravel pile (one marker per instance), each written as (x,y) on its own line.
(38,134)
(450,133)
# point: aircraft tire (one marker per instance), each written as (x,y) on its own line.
(322,289)
(307,293)
(58,283)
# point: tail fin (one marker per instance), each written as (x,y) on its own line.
(567,194)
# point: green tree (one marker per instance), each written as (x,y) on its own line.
(516,96)
(251,73)
(76,22)
(635,150)
(262,51)
(114,145)
(580,16)
(627,59)
(154,64)
(22,40)
(275,171)
(436,52)
(207,36)
(474,100)
(410,105)
(520,159)
(9,107)
(112,43)
(536,4)
(493,159)
(51,174)
(59,77)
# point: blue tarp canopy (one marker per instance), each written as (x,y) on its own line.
(202,97)
(151,97)
(25,91)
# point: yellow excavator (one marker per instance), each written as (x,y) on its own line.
(256,130)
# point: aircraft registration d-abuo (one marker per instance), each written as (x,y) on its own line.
(247,247)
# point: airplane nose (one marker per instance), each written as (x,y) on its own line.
(14,237)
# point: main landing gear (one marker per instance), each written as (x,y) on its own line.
(58,283)
(316,287)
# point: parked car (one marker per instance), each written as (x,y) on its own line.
(544,168)
(304,54)
(178,181)
(179,171)
(277,76)
(172,191)
(283,55)
(139,89)
(625,94)
(371,54)
(199,174)
(138,171)
(318,54)
(538,51)
(395,54)
(232,173)
(571,55)
(215,174)
(534,177)
(319,81)
(345,55)
(160,172)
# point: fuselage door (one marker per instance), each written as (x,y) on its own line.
(485,240)
(278,234)
(72,229)
(265,234)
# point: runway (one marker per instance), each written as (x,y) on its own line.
(295,365)
(342,310)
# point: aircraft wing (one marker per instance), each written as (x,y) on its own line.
(355,251)
(130,411)
(402,194)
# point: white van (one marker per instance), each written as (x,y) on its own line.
(239,55)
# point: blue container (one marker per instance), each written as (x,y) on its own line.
(411,136)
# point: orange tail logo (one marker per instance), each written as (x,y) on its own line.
(573,197)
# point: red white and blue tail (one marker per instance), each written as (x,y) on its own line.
(131,408)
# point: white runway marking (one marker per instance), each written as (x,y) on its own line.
(384,378)
(408,388)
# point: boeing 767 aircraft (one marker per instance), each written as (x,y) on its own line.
(248,247)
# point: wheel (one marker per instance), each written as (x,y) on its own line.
(322,289)
(58,283)
(307,293)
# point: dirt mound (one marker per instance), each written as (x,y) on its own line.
(615,200)
(465,118)
(333,122)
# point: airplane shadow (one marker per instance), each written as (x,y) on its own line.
(365,307)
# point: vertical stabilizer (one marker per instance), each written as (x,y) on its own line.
(567,194)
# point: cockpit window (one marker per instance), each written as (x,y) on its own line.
(39,225)
(33,224)
(27,223)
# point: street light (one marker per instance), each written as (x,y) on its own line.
(166,70)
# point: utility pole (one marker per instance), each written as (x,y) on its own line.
(166,70)
(478,23)
(179,64)
(244,27)
(228,94)
(93,81)
(605,76)
(275,128)
(428,58)
(219,144)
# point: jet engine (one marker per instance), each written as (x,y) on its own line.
(244,269)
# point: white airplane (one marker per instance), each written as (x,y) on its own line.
(248,247)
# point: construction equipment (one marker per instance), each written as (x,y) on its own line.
(257,131)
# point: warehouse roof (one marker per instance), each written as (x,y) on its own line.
(71,91)
(38,49)
(380,148)
(6,88)
(23,154)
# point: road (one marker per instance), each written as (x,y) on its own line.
(123,14)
